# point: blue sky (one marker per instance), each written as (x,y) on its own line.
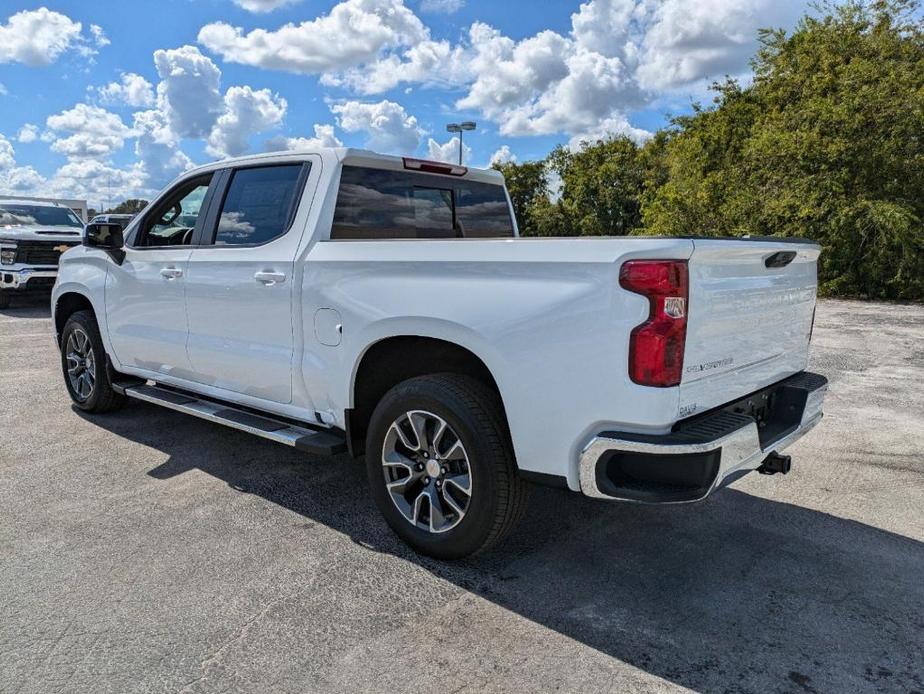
(115,98)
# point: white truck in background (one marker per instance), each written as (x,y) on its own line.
(33,235)
(343,300)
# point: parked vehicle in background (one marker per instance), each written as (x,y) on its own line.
(77,206)
(33,235)
(346,300)
(121,219)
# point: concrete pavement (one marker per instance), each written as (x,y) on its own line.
(146,551)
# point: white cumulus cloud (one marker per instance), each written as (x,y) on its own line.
(93,132)
(448,151)
(619,56)
(99,36)
(13,178)
(324,136)
(609,127)
(7,154)
(247,111)
(27,133)
(188,93)
(132,90)
(502,155)
(22,179)
(37,37)
(433,63)
(158,149)
(89,179)
(263,5)
(686,41)
(388,126)
(354,32)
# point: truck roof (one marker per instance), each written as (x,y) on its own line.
(359,157)
(31,203)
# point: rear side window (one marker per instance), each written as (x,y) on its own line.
(482,210)
(380,204)
(259,205)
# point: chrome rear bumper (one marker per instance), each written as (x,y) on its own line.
(692,461)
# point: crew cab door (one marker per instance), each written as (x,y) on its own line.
(239,285)
(145,294)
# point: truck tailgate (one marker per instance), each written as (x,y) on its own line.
(750,318)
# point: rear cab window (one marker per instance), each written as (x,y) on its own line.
(385,204)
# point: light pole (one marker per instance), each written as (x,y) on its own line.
(458,128)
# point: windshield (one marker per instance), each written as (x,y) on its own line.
(37,215)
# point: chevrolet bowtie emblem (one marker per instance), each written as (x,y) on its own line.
(60,248)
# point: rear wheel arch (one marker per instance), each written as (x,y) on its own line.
(395,359)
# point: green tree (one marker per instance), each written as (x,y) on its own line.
(130,206)
(601,186)
(826,143)
(527,184)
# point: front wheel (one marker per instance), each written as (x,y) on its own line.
(83,361)
(440,465)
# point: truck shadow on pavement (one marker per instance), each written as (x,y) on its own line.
(739,593)
(35,305)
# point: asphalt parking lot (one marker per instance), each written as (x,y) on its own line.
(145,551)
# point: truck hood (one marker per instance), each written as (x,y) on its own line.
(40,233)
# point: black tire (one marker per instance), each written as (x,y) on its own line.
(5,299)
(101,398)
(475,414)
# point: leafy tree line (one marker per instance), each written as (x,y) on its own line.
(130,206)
(826,143)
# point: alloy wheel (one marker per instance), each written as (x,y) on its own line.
(427,471)
(81,364)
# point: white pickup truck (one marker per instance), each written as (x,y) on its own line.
(33,235)
(343,300)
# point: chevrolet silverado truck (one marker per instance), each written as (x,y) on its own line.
(32,237)
(341,300)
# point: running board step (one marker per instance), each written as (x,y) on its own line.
(126,382)
(302,438)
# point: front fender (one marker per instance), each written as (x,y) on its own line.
(83,272)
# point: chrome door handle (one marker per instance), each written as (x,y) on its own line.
(171,273)
(270,278)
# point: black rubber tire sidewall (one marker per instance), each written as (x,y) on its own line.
(102,398)
(485,442)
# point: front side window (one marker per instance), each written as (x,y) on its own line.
(173,221)
(259,205)
(384,204)
(37,215)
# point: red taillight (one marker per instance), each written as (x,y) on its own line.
(656,346)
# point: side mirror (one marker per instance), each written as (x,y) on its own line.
(106,237)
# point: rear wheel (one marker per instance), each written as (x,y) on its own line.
(440,465)
(83,361)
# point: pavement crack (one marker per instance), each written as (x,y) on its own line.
(214,658)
